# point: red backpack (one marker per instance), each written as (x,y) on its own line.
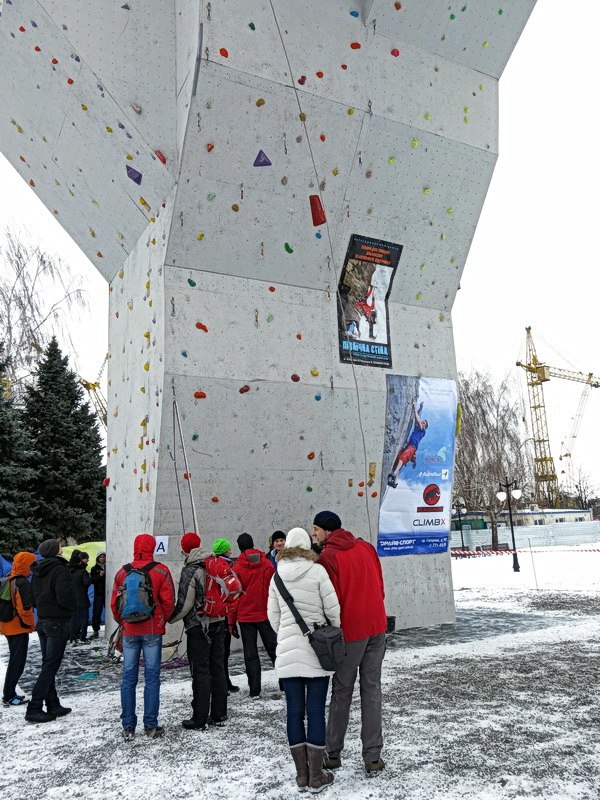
(223,588)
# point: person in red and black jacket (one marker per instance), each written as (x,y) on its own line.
(355,571)
(255,571)
(144,638)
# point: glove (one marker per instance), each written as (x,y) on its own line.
(233,630)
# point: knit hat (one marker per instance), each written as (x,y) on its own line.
(221,546)
(49,548)
(277,535)
(245,542)
(327,520)
(298,537)
(189,541)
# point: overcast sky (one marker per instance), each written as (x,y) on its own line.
(533,259)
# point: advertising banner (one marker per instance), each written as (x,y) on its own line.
(365,285)
(418,458)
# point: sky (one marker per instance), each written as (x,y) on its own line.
(532,258)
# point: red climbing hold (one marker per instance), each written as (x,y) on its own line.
(224,52)
(361,483)
(299,337)
(199,395)
(344,66)
(302,80)
(319,74)
(322,137)
(374,494)
(202,327)
(214,499)
(395,52)
(243,389)
(295,377)
(54,61)
(210,147)
(37,49)
(360,494)
(397,6)
(70,81)
(310,456)
(106,482)
(22,28)
(272,289)
(316,209)
(356,45)
(160,156)
(186,476)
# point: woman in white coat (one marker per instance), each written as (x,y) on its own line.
(304,680)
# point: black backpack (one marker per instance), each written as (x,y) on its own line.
(7,605)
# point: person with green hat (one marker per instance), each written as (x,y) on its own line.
(222,547)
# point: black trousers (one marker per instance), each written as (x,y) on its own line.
(206,650)
(17,649)
(226,652)
(97,608)
(79,625)
(53,635)
(250,632)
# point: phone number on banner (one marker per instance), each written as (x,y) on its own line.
(391,544)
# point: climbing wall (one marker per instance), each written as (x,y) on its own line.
(214,160)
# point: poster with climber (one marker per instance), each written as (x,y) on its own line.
(363,291)
(418,458)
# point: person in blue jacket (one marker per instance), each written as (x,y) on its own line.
(409,451)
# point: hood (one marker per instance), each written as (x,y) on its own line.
(74,560)
(340,540)
(289,553)
(22,564)
(101,553)
(143,547)
(294,565)
(196,554)
(251,558)
(46,565)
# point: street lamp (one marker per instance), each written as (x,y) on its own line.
(507,490)
(460,510)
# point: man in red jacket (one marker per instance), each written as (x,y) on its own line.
(355,571)
(255,571)
(143,638)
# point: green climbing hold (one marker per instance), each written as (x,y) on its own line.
(191,282)
(252,26)
(466,109)
(194,437)
(465,119)
(288,248)
(427,116)
(485,44)
(500,12)
(270,318)
(210,197)
(452,16)
(309,488)
(426,190)
(419,295)
(392,160)
(450,210)
(415,143)
(422,267)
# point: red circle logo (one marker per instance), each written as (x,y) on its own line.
(431,494)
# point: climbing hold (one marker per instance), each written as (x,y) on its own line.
(144,204)
(160,156)
(302,80)
(395,52)
(309,488)
(272,289)
(450,210)
(369,173)
(397,6)
(210,197)
(344,66)
(200,237)
(415,143)
(134,175)
(310,456)
(427,116)
(191,282)
(70,81)
(214,499)
(314,372)
(360,494)
(202,327)
(422,267)
(354,13)
(260,102)
(106,482)
(466,109)
(485,44)
(210,147)
(195,437)
(392,160)
(335,171)
(262,160)
(284,181)
(199,395)
(452,16)
(21,28)
(319,74)
(419,295)
(288,248)
(322,137)
(302,116)
(361,483)
(355,45)
(318,234)
(481,87)
(224,52)
(295,377)
(235,207)
(186,476)
(374,494)
(147,366)
(109,129)
(299,337)
(37,49)
(243,389)
(129,157)
(317,211)
(465,119)
(426,190)
(252,26)
(500,12)
(184,353)
(84,107)
(350,111)
(270,318)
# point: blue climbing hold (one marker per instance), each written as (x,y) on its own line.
(134,175)
(262,160)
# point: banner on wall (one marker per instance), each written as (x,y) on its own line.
(415,510)
(363,291)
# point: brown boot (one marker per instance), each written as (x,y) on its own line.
(318,778)
(298,752)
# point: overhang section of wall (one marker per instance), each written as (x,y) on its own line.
(135,390)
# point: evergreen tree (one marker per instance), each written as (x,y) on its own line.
(17,506)
(67,453)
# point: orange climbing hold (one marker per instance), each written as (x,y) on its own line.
(356,45)
(299,336)
(310,456)
(360,494)
(319,74)
(202,327)
(199,395)
(224,52)
(210,147)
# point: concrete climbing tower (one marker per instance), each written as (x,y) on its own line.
(215,161)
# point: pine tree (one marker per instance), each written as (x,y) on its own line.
(67,453)
(17,506)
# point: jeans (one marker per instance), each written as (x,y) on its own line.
(150,645)
(97,608)
(17,648)
(305,697)
(206,654)
(53,635)
(79,624)
(250,631)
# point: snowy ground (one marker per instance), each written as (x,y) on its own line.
(504,704)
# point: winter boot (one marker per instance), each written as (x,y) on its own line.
(35,713)
(58,710)
(318,778)
(298,752)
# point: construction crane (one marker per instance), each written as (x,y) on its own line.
(538,373)
(95,393)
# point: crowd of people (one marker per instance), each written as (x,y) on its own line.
(333,577)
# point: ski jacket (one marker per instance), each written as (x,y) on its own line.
(315,599)
(52,587)
(355,571)
(190,595)
(22,596)
(255,571)
(81,581)
(98,575)
(163,590)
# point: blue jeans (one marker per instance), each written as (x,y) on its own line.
(150,645)
(305,697)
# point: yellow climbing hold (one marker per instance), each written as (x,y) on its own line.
(314,372)
(235,207)
(200,237)
(302,116)
(147,284)
(147,366)
(83,107)
(426,190)
(143,389)
(450,210)
(350,111)
(419,295)
(147,334)
(335,171)
(121,273)
(415,143)
(130,305)
(152,241)
(144,204)
(129,157)
(109,129)
(260,102)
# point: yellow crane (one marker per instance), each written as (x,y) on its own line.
(538,373)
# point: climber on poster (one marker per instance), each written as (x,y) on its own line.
(366,307)
(409,451)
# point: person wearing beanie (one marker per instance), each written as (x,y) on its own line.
(305,682)
(205,639)
(255,572)
(276,543)
(81,582)
(54,598)
(222,547)
(98,576)
(143,638)
(17,629)
(355,571)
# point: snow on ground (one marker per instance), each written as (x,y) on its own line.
(502,705)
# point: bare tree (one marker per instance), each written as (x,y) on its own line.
(490,446)
(585,488)
(36,292)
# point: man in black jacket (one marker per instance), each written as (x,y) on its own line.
(55,602)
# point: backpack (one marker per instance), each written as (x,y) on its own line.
(135,599)
(7,606)
(223,588)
